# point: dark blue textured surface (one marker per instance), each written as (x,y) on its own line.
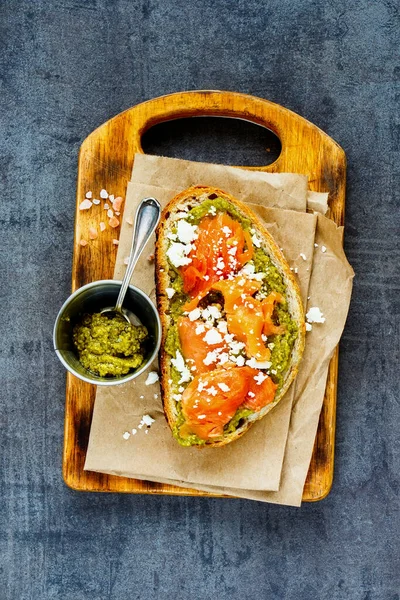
(69,65)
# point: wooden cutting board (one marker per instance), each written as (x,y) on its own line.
(106,160)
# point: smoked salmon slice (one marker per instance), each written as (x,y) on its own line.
(212,399)
(194,347)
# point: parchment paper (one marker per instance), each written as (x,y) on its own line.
(254,462)
(260,452)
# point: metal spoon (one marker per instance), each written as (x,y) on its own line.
(146,220)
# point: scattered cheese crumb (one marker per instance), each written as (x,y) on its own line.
(323,248)
(186,232)
(103,193)
(194,314)
(106,206)
(96,201)
(200,328)
(152,377)
(110,213)
(88,194)
(126,435)
(224,387)
(134,431)
(111,198)
(170,292)
(314,315)
(177,254)
(240,361)
(308,327)
(148,420)
(92,233)
(179,364)
(150,257)
(212,337)
(303,256)
(85,204)
(256,241)
(260,377)
(126,260)
(315,245)
(115,242)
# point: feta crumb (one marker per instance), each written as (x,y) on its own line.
(212,391)
(264,337)
(88,194)
(194,314)
(260,377)
(212,337)
(148,420)
(323,248)
(222,326)
(273,371)
(126,260)
(212,211)
(106,206)
(314,315)
(134,431)
(110,213)
(103,193)
(255,364)
(170,292)
(102,226)
(179,364)
(211,312)
(126,435)
(224,387)
(152,377)
(232,251)
(96,201)
(308,327)
(256,241)
(315,245)
(240,361)
(177,397)
(201,416)
(200,328)
(210,358)
(271,345)
(177,254)
(303,256)
(186,232)
(296,270)
(251,394)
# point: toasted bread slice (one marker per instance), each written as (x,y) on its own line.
(183,202)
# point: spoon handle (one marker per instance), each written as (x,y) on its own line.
(146,220)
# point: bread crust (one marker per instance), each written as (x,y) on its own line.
(193,196)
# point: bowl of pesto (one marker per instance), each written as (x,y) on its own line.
(101,349)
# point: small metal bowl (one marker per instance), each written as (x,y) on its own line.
(92,298)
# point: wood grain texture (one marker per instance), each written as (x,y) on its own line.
(106,160)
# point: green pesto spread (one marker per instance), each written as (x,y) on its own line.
(109,346)
(281,345)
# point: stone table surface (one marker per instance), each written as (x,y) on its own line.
(69,65)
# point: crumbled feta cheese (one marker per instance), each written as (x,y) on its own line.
(314,315)
(110,213)
(126,435)
(255,364)
(256,241)
(315,245)
(251,394)
(148,420)
(103,193)
(88,194)
(106,206)
(200,328)
(232,251)
(323,248)
(96,201)
(152,377)
(273,371)
(296,270)
(186,232)
(126,260)
(308,327)
(202,416)
(194,314)
(240,361)
(224,387)
(271,345)
(134,431)
(260,377)
(177,397)
(111,198)
(210,358)
(226,231)
(102,226)
(177,254)
(264,337)
(212,337)
(222,326)
(248,269)
(236,347)
(170,292)
(223,358)
(179,364)
(212,211)
(212,391)
(303,256)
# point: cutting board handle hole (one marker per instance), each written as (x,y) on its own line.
(222,140)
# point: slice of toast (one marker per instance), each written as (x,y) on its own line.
(175,210)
